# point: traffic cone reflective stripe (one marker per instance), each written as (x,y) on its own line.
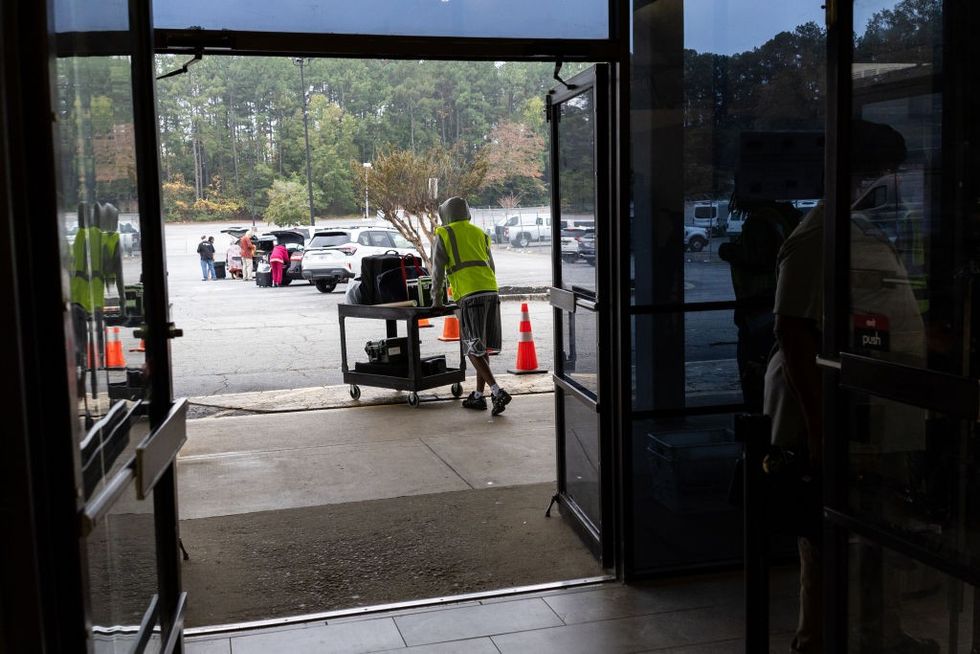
(139,348)
(424,323)
(527,356)
(114,357)
(450,329)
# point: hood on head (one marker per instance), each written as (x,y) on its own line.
(454,210)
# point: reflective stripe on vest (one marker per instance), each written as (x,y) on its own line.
(468,250)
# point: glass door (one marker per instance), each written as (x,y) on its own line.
(902,466)
(579,116)
(108,241)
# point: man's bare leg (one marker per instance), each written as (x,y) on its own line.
(484,375)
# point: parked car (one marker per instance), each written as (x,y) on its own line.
(334,255)
(578,243)
(695,238)
(707,215)
(521,231)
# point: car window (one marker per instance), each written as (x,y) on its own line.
(401,241)
(364,238)
(876,197)
(329,240)
(513,220)
(379,239)
(704,212)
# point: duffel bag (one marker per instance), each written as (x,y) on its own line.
(392,285)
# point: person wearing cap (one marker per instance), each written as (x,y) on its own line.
(461,254)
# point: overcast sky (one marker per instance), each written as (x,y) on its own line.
(730,26)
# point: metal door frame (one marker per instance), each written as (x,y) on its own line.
(600,539)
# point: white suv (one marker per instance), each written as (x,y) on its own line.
(334,254)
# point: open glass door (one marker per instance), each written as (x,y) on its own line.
(579,116)
(109,244)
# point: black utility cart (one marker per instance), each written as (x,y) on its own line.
(414,379)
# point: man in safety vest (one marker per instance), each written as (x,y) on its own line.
(462,253)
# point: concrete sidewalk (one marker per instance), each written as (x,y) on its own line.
(245,464)
(335,397)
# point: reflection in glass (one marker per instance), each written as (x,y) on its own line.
(582,462)
(576,179)
(580,343)
(100,254)
(896,604)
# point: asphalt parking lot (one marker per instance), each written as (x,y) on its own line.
(239,337)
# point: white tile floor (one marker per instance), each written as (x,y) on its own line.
(701,616)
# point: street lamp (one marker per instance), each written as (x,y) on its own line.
(300,61)
(367,168)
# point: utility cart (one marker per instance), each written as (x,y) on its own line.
(414,378)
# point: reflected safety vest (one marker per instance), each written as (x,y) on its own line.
(468,248)
(87,281)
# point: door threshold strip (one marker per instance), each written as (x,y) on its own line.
(396,606)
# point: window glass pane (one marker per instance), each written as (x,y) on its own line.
(581,456)
(910,243)
(726,98)
(328,240)
(576,178)
(704,373)
(401,242)
(912,472)
(546,19)
(897,604)
(580,342)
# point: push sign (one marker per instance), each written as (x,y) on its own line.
(871,332)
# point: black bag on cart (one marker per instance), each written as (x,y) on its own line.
(384,277)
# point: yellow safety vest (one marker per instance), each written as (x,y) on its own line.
(87,282)
(468,248)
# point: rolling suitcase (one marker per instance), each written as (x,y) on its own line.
(263,278)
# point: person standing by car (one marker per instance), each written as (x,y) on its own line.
(233,257)
(462,253)
(206,250)
(248,251)
(278,260)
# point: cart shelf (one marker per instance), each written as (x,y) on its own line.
(414,381)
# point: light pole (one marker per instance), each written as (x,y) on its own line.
(300,61)
(367,169)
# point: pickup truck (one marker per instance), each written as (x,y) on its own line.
(521,231)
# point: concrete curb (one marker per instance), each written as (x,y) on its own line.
(321,398)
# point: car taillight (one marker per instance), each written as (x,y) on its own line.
(349,250)
(296,256)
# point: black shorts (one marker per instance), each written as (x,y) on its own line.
(479,318)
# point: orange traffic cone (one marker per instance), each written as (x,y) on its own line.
(114,357)
(527,356)
(450,329)
(424,323)
(139,348)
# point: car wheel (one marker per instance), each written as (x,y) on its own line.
(286,281)
(523,240)
(569,258)
(325,285)
(697,244)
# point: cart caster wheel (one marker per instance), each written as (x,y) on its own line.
(355,392)
(413,400)
(457,389)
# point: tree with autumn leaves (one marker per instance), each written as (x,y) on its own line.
(399,186)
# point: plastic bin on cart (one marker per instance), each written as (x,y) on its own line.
(691,471)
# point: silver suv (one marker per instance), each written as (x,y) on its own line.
(334,254)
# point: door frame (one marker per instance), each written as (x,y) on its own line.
(600,539)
